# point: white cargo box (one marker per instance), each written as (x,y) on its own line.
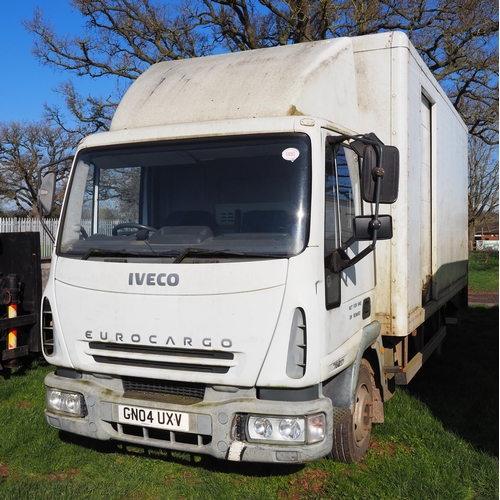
(425,264)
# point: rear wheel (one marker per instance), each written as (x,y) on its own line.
(352,437)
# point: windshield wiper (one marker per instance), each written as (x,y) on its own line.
(226,252)
(110,253)
(203,251)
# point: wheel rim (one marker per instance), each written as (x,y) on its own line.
(362,418)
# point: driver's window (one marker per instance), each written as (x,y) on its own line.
(345,195)
(339,214)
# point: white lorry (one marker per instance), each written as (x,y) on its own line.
(260,249)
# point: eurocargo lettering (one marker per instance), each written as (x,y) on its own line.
(292,246)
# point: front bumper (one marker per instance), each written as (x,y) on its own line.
(211,429)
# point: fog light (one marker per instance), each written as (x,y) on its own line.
(316,428)
(66,402)
(290,428)
(263,427)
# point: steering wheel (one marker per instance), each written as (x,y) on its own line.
(83,233)
(131,225)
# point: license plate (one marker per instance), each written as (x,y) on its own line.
(152,417)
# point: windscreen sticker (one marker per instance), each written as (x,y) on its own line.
(290,154)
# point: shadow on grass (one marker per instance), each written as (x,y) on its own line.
(206,462)
(23,366)
(460,386)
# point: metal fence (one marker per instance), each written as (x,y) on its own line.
(23,225)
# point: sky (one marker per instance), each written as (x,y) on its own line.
(25,85)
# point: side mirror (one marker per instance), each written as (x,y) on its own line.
(46,194)
(365,224)
(369,170)
(379,162)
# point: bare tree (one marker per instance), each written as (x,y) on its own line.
(24,147)
(457,38)
(483,184)
(122,38)
(459,43)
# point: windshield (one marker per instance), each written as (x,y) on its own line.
(235,196)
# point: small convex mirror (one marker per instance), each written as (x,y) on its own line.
(363,227)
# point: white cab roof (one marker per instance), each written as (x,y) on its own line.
(313,79)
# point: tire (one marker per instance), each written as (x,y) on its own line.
(352,437)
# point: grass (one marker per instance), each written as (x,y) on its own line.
(439,441)
(483,271)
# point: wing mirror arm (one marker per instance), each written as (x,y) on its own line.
(378,173)
(338,260)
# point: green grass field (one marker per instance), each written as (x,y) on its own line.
(483,271)
(439,441)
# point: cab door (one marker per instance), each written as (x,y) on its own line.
(348,293)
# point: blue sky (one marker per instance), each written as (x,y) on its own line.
(25,85)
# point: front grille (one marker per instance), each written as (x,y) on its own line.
(166,358)
(160,438)
(179,389)
(141,363)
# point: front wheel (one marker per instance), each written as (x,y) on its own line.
(352,437)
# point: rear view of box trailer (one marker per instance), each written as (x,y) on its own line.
(260,249)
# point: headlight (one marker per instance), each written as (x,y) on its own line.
(263,427)
(276,429)
(66,402)
(290,428)
(284,430)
